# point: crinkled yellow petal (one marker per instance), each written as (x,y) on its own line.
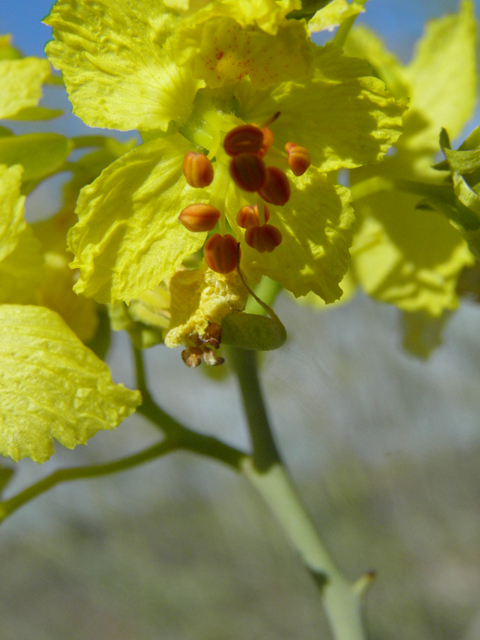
(334,14)
(7,51)
(52,386)
(444,68)
(201,296)
(316,231)
(22,270)
(268,15)
(364,43)
(21,82)
(343,115)
(348,285)
(128,237)
(407,257)
(114,57)
(12,223)
(223,52)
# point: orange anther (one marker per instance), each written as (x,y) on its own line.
(221,253)
(277,187)
(198,170)
(264,238)
(249,216)
(298,158)
(247,138)
(267,141)
(199,217)
(248,171)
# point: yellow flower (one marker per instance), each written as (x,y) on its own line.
(185,75)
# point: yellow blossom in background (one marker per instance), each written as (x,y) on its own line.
(401,254)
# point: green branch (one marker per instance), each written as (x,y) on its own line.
(265,470)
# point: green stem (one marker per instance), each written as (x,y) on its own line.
(265,470)
(91,471)
(344,29)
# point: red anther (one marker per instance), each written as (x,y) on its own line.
(192,357)
(199,217)
(264,238)
(198,170)
(211,358)
(247,138)
(248,171)
(221,253)
(298,158)
(277,187)
(249,216)
(267,141)
(212,335)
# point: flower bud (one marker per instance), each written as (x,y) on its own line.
(267,141)
(221,253)
(199,217)
(264,238)
(247,138)
(277,187)
(248,171)
(249,216)
(298,158)
(198,170)
(192,357)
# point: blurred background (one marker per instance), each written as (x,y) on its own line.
(384,447)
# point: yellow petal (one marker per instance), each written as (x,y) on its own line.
(52,386)
(21,82)
(268,15)
(223,52)
(342,114)
(448,54)
(128,237)
(114,57)
(333,14)
(316,231)
(407,257)
(201,296)
(22,270)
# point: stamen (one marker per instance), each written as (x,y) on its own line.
(211,358)
(298,158)
(221,253)
(247,138)
(199,217)
(192,357)
(248,171)
(270,120)
(264,238)
(267,141)
(249,216)
(212,335)
(277,187)
(198,170)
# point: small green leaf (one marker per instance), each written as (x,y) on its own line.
(249,331)
(52,386)
(41,154)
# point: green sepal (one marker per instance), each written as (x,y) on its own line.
(37,113)
(40,154)
(249,331)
